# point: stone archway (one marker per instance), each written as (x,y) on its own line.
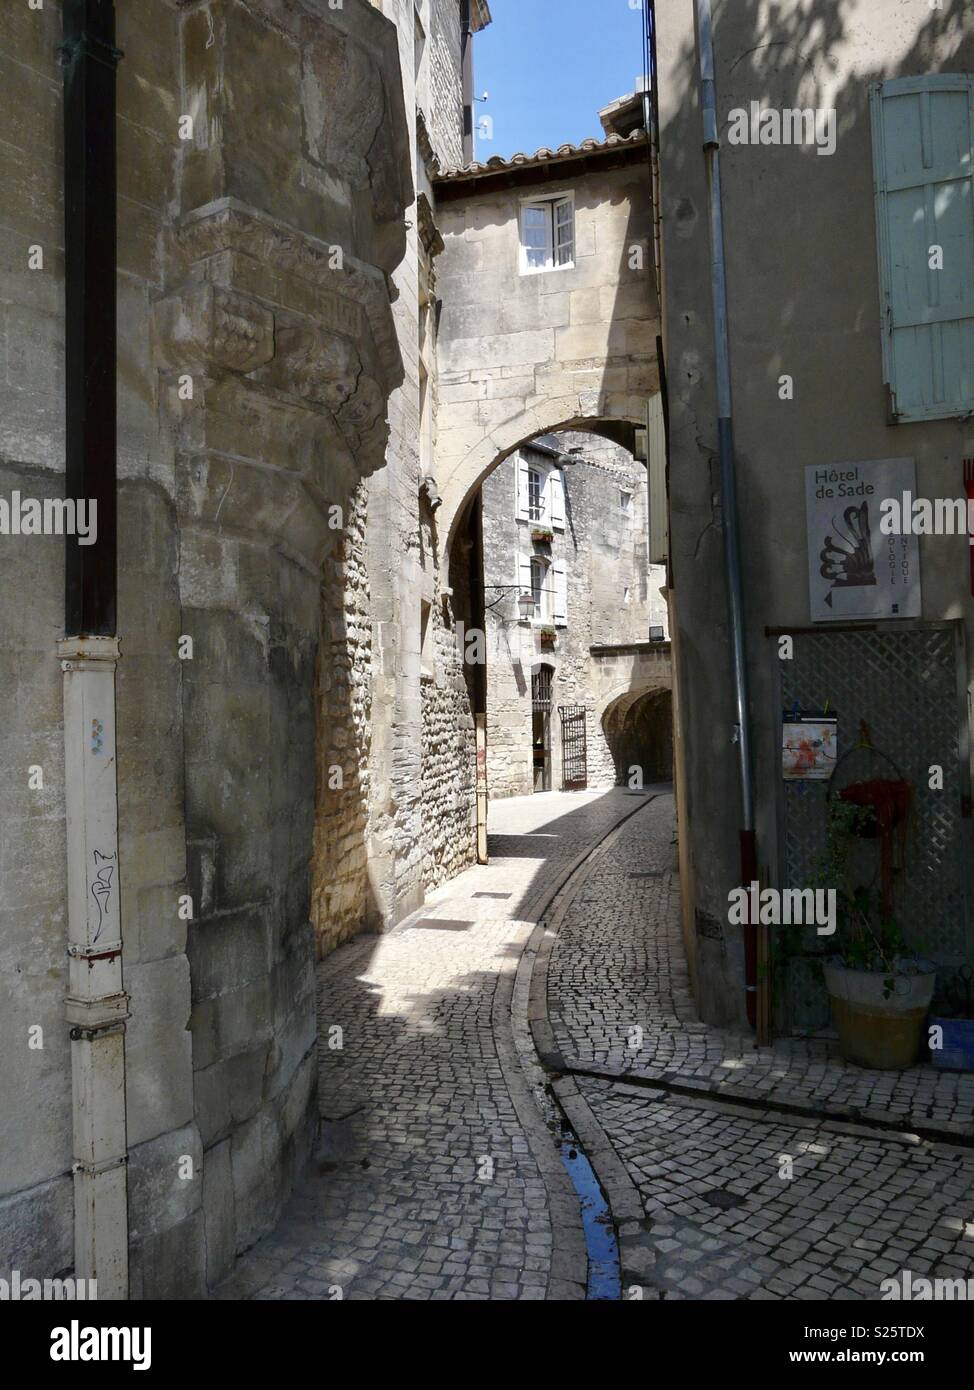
(638,730)
(462,475)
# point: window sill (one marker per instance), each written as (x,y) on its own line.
(546,269)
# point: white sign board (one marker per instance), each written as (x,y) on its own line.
(854,571)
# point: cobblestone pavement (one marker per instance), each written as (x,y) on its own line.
(719,1199)
(754,1205)
(436,1177)
(618,964)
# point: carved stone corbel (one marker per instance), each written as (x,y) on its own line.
(211,326)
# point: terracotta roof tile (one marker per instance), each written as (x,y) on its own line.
(542,156)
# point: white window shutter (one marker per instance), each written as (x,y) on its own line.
(924,170)
(556,499)
(560,594)
(521,484)
(659,540)
(523,575)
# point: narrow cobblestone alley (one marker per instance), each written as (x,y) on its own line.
(436,1176)
(732,1171)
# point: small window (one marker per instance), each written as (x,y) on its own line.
(539,590)
(535,504)
(427,662)
(625,502)
(547,235)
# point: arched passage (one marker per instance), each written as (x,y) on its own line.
(638,729)
(462,476)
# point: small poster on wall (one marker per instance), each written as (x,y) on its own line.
(854,570)
(809,744)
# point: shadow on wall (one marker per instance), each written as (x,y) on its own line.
(821,304)
(639,732)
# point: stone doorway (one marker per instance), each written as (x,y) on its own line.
(541,682)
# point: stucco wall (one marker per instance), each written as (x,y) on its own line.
(802,268)
(521,355)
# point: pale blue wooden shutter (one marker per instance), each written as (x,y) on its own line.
(923,138)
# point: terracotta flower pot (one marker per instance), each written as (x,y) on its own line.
(875,1031)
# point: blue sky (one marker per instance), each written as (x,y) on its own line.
(548,66)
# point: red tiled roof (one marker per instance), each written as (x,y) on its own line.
(543,156)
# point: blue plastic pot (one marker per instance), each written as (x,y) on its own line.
(957,1053)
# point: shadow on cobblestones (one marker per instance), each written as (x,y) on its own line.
(619,998)
(425,1184)
(715,1200)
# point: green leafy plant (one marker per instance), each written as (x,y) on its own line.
(867,938)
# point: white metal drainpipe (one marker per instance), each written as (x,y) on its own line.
(96,1004)
(728,484)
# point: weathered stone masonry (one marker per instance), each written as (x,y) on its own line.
(228,282)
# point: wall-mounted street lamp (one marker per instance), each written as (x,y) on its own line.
(525,600)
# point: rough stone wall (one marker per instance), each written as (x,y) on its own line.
(449,753)
(226,278)
(419,828)
(604,551)
(342,900)
(523,355)
(442,102)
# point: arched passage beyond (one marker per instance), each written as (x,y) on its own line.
(638,729)
(461,477)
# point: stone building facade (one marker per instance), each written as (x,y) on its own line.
(272,783)
(565,522)
(295,720)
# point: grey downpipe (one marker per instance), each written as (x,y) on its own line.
(728,476)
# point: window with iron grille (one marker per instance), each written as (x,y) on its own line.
(541,688)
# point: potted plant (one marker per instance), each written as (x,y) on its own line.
(542,534)
(879,990)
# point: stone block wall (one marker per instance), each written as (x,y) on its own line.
(277,300)
(228,280)
(442,102)
(36,1199)
(612,597)
(528,354)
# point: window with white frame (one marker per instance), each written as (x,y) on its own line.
(535,496)
(547,234)
(546,581)
(540,490)
(539,589)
